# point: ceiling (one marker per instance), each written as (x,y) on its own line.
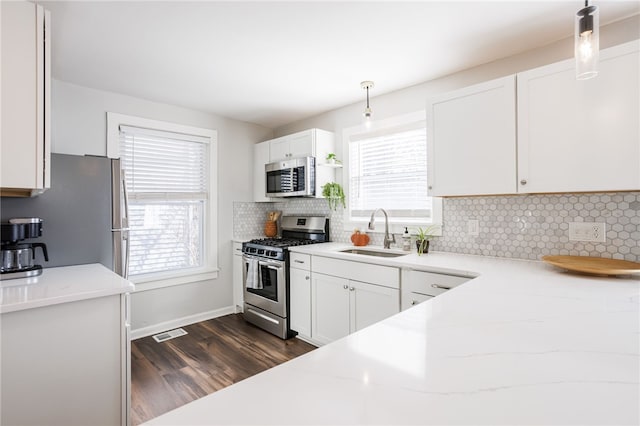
(273,63)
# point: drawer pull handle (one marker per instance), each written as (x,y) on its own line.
(345,287)
(351,288)
(442,287)
(299,261)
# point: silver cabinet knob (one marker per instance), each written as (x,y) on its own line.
(523,182)
(307,278)
(414,302)
(345,287)
(430,187)
(351,288)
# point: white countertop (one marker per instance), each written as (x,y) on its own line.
(523,343)
(61,285)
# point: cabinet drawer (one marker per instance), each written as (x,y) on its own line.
(429,283)
(365,272)
(300,261)
(412,299)
(237,248)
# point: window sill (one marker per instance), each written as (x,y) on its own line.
(394,228)
(156,282)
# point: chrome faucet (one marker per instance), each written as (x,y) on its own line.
(387,240)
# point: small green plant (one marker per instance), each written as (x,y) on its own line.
(331,158)
(334,193)
(422,238)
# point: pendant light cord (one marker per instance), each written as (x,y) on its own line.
(367,97)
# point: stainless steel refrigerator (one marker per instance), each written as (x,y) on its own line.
(84,213)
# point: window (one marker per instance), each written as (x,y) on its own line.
(388,169)
(171,197)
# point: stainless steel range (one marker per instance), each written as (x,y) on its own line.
(266,272)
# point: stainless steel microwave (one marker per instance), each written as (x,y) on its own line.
(295,177)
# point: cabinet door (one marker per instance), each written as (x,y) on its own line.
(472,140)
(238,287)
(260,158)
(302,144)
(59,360)
(300,301)
(371,303)
(330,308)
(581,135)
(24,141)
(279,149)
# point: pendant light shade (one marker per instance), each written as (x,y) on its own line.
(587,41)
(367,111)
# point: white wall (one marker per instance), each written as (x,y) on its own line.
(414,98)
(79,127)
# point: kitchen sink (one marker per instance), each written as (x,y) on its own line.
(377,253)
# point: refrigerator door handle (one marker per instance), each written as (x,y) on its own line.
(127,253)
(125,196)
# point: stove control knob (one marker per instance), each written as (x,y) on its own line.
(260,251)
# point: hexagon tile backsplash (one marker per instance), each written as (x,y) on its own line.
(518,226)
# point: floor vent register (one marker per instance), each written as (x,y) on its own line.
(168,335)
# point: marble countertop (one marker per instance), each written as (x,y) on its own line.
(61,285)
(522,343)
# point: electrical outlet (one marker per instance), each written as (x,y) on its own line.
(473,228)
(587,231)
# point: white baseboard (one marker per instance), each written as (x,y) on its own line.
(180,322)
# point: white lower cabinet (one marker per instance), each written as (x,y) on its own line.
(300,295)
(238,285)
(67,364)
(341,305)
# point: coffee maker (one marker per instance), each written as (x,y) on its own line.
(17,256)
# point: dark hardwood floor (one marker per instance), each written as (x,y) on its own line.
(214,355)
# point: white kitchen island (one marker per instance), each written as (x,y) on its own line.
(65,348)
(523,343)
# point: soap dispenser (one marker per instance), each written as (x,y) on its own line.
(406,240)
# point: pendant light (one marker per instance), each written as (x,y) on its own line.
(367,111)
(587,42)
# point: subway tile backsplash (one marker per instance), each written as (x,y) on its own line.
(518,226)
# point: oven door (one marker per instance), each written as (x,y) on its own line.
(272,296)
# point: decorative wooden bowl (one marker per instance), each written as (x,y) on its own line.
(594,265)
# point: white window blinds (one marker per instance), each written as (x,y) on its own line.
(167,181)
(388,169)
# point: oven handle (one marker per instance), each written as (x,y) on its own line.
(276,266)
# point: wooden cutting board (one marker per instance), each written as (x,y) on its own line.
(594,265)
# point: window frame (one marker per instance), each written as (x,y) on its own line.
(210,269)
(395,226)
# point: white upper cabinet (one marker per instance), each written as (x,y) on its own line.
(581,135)
(26,85)
(308,143)
(471,136)
(572,136)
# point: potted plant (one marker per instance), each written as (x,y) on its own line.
(422,239)
(334,193)
(332,159)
